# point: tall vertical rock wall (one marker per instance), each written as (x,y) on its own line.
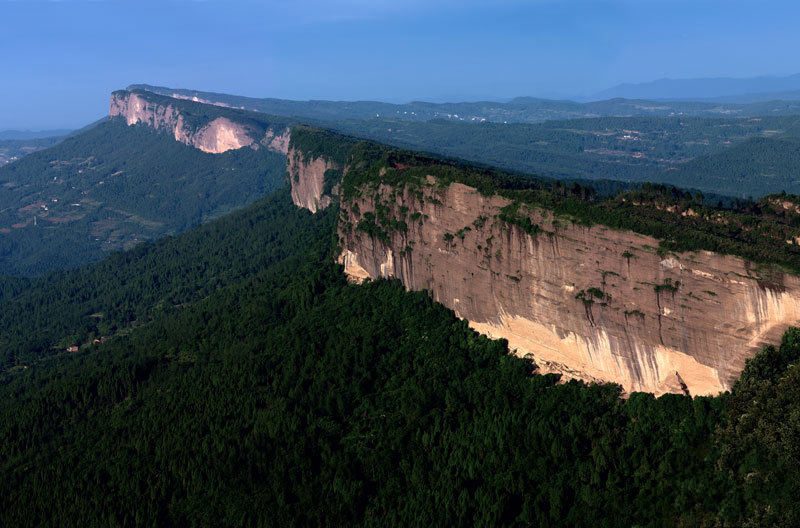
(587,302)
(216,136)
(307,180)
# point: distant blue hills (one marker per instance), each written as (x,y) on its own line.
(32,134)
(715,89)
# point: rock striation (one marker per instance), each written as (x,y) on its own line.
(590,303)
(215,135)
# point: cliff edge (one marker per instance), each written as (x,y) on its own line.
(582,299)
(200,126)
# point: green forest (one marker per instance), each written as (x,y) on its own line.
(227,374)
(112,187)
(753,167)
(734,157)
(45,315)
(260,388)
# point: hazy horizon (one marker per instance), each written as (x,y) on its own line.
(378,50)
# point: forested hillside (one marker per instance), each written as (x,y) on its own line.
(45,315)
(673,151)
(112,187)
(749,168)
(280,395)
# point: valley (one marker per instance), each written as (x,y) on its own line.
(399,264)
(371,308)
(663,255)
(14,149)
(114,186)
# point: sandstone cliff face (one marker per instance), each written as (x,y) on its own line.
(217,136)
(307,179)
(588,302)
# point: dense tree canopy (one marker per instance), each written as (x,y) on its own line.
(281,395)
(734,157)
(114,186)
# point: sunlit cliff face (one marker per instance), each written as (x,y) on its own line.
(215,137)
(588,302)
(308,180)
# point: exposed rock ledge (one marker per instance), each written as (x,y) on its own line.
(691,336)
(217,136)
(307,177)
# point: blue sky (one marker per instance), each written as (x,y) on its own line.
(60,60)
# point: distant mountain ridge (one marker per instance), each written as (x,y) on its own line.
(624,140)
(712,89)
(33,134)
(758,97)
(518,110)
(161,164)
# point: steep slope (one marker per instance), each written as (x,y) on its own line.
(201,126)
(653,310)
(315,165)
(275,394)
(128,180)
(750,168)
(287,397)
(45,315)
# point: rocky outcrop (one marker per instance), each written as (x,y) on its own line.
(587,302)
(307,179)
(277,141)
(197,99)
(215,136)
